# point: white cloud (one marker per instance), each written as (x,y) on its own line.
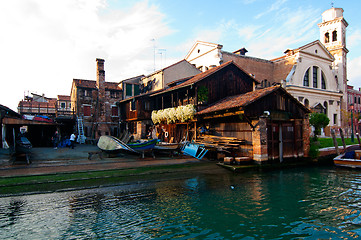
(47,43)
(354,72)
(286,30)
(274,7)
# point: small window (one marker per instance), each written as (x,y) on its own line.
(335,119)
(323,81)
(307,103)
(136,90)
(132,105)
(306,81)
(334,36)
(128,90)
(327,37)
(87,110)
(114,111)
(62,105)
(315,77)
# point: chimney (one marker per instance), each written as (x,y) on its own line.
(100,75)
(241,52)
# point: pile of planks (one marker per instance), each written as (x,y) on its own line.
(226,144)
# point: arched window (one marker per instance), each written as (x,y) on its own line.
(323,81)
(307,103)
(325,105)
(315,77)
(306,78)
(327,37)
(334,36)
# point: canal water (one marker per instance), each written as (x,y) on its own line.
(299,203)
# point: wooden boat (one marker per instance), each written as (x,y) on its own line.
(167,146)
(351,158)
(143,146)
(112,144)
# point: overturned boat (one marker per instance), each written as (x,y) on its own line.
(113,144)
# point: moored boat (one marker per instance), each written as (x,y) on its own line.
(351,158)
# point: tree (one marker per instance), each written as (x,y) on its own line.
(318,121)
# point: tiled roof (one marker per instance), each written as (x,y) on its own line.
(92,84)
(202,76)
(84,83)
(63,97)
(241,100)
(50,104)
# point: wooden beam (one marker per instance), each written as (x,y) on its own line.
(227,114)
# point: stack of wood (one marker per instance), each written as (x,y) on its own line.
(226,144)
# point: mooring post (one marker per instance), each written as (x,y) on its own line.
(335,141)
(358,139)
(343,140)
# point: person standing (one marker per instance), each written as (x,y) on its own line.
(55,140)
(72,140)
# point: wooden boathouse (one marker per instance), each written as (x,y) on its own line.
(222,109)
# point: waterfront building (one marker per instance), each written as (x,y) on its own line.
(315,73)
(354,104)
(224,100)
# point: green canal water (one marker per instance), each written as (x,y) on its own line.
(299,203)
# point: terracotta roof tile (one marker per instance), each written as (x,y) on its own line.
(63,98)
(92,84)
(238,100)
(202,76)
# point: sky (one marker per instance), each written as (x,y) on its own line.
(45,44)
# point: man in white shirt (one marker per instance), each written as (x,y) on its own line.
(72,140)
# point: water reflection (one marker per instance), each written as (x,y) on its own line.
(308,203)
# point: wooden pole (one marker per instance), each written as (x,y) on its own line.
(358,139)
(335,141)
(343,139)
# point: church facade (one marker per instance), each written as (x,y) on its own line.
(315,74)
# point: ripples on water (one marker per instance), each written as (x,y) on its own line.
(304,203)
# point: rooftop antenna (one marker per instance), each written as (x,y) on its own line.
(160,51)
(153,40)
(332,4)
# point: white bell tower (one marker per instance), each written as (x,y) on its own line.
(333,36)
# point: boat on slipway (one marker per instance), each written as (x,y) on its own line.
(113,144)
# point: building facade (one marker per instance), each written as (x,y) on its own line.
(315,74)
(94,104)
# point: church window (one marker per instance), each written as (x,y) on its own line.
(306,79)
(334,36)
(327,37)
(323,81)
(307,103)
(326,106)
(315,79)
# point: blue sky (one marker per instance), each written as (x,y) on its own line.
(47,43)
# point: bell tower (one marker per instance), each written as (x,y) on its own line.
(333,37)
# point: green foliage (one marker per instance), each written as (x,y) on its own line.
(318,121)
(202,94)
(314,148)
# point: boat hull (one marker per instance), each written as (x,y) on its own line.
(143,146)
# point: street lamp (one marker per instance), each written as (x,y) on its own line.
(352,137)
